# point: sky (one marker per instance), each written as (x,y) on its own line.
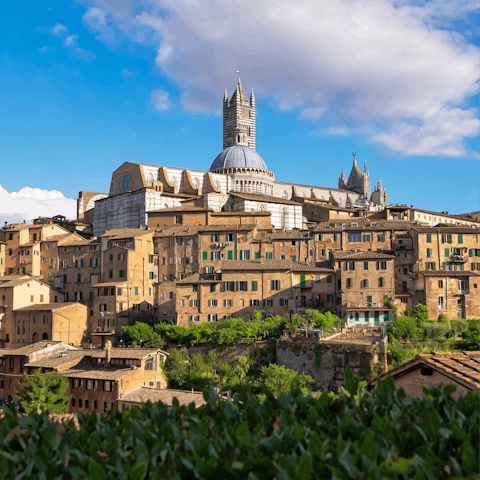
(88,85)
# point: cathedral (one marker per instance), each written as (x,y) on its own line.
(237,180)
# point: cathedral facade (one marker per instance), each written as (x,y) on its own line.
(238,179)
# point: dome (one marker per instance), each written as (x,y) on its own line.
(238,156)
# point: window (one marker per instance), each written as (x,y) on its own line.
(366,238)
(268,303)
(110,257)
(294,258)
(181,260)
(179,241)
(275,285)
(151,275)
(93,262)
(230,237)
(284,302)
(365,283)
(182,302)
(440,303)
(317,279)
(244,254)
(150,259)
(429,252)
(179,219)
(170,260)
(349,283)
(429,238)
(92,384)
(254,286)
(430,266)
(170,242)
(329,279)
(64,264)
(381,237)
(381,265)
(365,265)
(214,255)
(335,237)
(150,364)
(125,183)
(215,237)
(213,303)
(460,238)
(79,263)
(369,299)
(194,318)
(195,288)
(269,255)
(254,303)
(121,256)
(228,303)
(349,266)
(171,294)
(121,273)
(354,237)
(381,282)
(212,317)
(243,286)
(205,255)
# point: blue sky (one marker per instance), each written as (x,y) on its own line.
(86,86)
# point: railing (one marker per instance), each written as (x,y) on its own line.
(216,277)
(458,258)
(463,291)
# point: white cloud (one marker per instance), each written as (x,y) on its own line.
(160,100)
(127,73)
(29,203)
(95,18)
(46,49)
(403,70)
(71,40)
(59,29)
(83,54)
(331,131)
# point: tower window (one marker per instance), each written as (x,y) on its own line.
(238,138)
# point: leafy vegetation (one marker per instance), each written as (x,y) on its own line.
(45,390)
(420,313)
(375,435)
(230,332)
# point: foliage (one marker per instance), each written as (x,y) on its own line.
(375,435)
(472,335)
(420,313)
(277,379)
(404,328)
(391,305)
(318,355)
(45,390)
(443,319)
(434,330)
(458,326)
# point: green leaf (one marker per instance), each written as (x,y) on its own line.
(138,471)
(96,471)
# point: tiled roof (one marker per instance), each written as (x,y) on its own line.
(183,208)
(259,197)
(35,347)
(126,233)
(55,238)
(241,214)
(274,265)
(8,278)
(448,273)
(284,235)
(440,214)
(57,359)
(145,394)
(446,229)
(196,278)
(338,255)
(335,225)
(46,306)
(178,231)
(98,372)
(109,284)
(15,282)
(30,244)
(463,367)
(137,353)
(7,351)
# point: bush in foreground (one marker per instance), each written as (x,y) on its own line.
(379,434)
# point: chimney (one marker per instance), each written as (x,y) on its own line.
(108,352)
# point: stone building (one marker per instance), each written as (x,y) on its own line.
(363,280)
(3,246)
(238,179)
(240,287)
(434,370)
(60,322)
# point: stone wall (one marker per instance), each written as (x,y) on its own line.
(325,361)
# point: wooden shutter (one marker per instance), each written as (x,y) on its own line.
(205,255)
(230,255)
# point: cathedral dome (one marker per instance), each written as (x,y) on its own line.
(238,156)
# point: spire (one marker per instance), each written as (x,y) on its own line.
(365,171)
(252,98)
(379,184)
(225,97)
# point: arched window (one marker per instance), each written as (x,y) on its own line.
(45,336)
(238,138)
(126,183)
(35,337)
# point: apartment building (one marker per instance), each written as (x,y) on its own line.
(3,246)
(60,322)
(240,287)
(97,378)
(17,292)
(362,281)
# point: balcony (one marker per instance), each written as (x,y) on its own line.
(403,247)
(211,277)
(458,258)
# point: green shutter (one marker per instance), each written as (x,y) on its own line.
(367,315)
(254,286)
(149,290)
(434,266)
(205,255)
(470,252)
(281,302)
(250,302)
(335,237)
(136,290)
(211,255)
(365,265)
(382,281)
(429,238)
(230,255)
(472,266)
(223,286)
(257,255)
(369,299)
(302,280)
(111,257)
(443,238)
(119,291)
(447,252)
(460,238)
(329,279)
(236,286)
(272,284)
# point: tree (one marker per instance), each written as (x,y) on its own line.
(46,390)
(420,312)
(458,326)
(140,332)
(444,320)
(277,379)
(472,335)
(405,328)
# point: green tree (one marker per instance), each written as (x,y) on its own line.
(444,320)
(458,326)
(177,367)
(140,332)
(420,313)
(472,335)
(277,379)
(48,390)
(405,328)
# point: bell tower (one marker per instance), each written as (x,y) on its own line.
(239,119)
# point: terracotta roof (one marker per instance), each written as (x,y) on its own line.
(15,282)
(98,372)
(57,359)
(440,214)
(55,238)
(338,255)
(284,235)
(446,229)
(7,351)
(36,347)
(447,273)
(148,394)
(30,244)
(118,233)
(46,306)
(335,225)
(274,265)
(259,197)
(109,284)
(182,208)
(8,278)
(236,227)
(137,353)
(241,214)
(462,367)
(179,231)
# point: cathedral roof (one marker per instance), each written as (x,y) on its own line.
(238,156)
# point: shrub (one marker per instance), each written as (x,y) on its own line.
(472,335)
(443,319)
(377,434)
(420,313)
(405,328)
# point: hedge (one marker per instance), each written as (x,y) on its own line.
(376,435)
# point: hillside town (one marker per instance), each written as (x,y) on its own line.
(181,247)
